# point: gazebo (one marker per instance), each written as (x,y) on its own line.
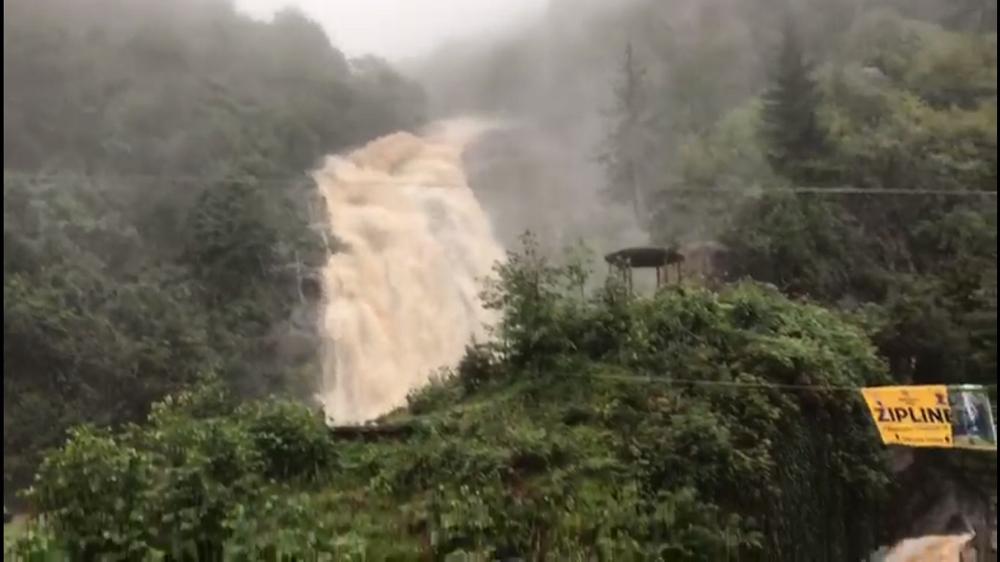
(646,257)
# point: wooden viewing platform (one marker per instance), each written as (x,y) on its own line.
(646,257)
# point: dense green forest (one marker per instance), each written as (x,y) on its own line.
(157,227)
(156,212)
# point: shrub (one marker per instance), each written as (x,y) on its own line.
(439,392)
(179,484)
(94,492)
(293,441)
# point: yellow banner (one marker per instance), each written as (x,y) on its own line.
(915,416)
(933,416)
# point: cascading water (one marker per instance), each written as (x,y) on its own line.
(944,548)
(402,289)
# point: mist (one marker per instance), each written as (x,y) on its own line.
(551,80)
(402,30)
(551,69)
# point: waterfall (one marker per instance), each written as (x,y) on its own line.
(402,288)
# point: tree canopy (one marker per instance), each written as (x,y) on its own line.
(576,435)
(156,222)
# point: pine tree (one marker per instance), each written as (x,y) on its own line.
(625,143)
(795,141)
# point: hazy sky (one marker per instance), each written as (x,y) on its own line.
(401,28)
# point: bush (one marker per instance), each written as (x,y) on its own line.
(293,441)
(181,483)
(479,366)
(439,392)
(94,492)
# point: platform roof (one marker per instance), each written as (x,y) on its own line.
(644,256)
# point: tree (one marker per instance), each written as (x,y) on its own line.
(796,143)
(153,200)
(915,109)
(626,144)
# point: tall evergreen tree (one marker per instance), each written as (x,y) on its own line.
(794,139)
(625,143)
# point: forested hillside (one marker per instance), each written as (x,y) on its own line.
(159,236)
(156,220)
(845,152)
(577,435)
(710,111)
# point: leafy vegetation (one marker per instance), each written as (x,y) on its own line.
(924,264)
(794,141)
(842,151)
(884,100)
(575,436)
(928,260)
(881,121)
(156,228)
(157,234)
(182,484)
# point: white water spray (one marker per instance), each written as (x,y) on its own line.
(402,293)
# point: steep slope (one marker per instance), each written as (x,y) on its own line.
(635,429)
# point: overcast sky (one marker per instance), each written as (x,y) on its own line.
(398,29)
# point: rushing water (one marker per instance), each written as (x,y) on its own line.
(402,289)
(945,548)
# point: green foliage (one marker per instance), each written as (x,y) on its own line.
(524,288)
(598,450)
(437,393)
(294,442)
(156,228)
(793,136)
(198,474)
(626,145)
(906,105)
(232,239)
(98,485)
(930,262)
(805,245)
(33,545)
(743,336)
(729,154)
